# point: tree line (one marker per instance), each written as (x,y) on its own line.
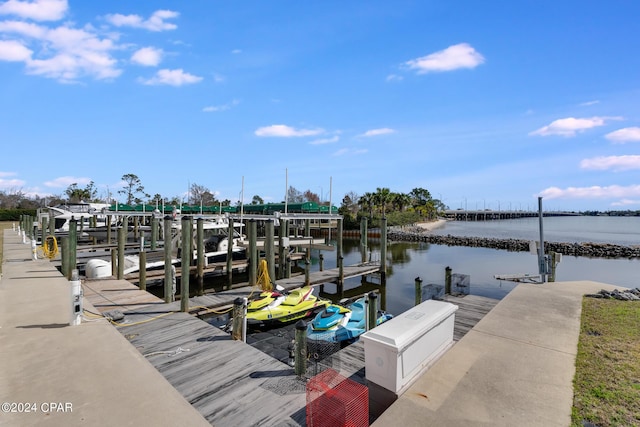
(398,208)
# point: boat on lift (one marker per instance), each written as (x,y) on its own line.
(274,307)
(342,324)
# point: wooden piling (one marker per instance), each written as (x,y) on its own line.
(383,246)
(154,233)
(301,348)
(122,237)
(238,324)
(185,262)
(373,310)
(269,249)
(73,246)
(447,280)
(363,239)
(339,253)
(200,255)
(142,277)
(114,262)
(418,286)
(230,232)
(253,252)
(168,279)
(108,229)
(64,256)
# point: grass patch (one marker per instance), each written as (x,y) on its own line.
(607,381)
(3,226)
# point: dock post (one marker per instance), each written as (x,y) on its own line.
(307,264)
(552,266)
(418,285)
(383,247)
(339,253)
(447,280)
(363,238)
(287,264)
(238,332)
(168,279)
(321,262)
(186,255)
(283,233)
(73,246)
(154,232)
(122,236)
(45,225)
(108,229)
(64,256)
(301,348)
(52,223)
(200,254)
(136,228)
(269,249)
(114,261)
(253,252)
(142,276)
(307,233)
(230,254)
(373,310)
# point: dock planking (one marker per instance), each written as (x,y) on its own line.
(229,382)
(111,294)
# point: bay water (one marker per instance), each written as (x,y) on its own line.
(408,261)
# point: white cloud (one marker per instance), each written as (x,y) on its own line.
(11,50)
(454,57)
(38,10)
(66,53)
(626,202)
(172,77)
(8,184)
(155,23)
(24,28)
(65,181)
(286,131)
(147,56)
(589,103)
(571,126)
(394,78)
(325,140)
(376,132)
(621,136)
(594,192)
(217,108)
(236,51)
(341,152)
(616,163)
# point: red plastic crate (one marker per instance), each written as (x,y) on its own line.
(333,400)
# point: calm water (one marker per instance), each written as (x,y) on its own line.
(407,261)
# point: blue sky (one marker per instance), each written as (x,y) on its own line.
(485,104)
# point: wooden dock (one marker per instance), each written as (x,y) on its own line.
(229,382)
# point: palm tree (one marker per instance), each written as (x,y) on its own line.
(382,198)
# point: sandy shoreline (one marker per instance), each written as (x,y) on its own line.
(432,225)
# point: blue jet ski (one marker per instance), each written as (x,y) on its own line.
(337,323)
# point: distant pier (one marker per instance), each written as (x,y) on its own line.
(491,215)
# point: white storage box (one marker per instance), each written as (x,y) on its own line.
(399,349)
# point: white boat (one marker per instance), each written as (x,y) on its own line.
(81,212)
(216,245)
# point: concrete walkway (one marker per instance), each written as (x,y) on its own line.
(57,374)
(514,368)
